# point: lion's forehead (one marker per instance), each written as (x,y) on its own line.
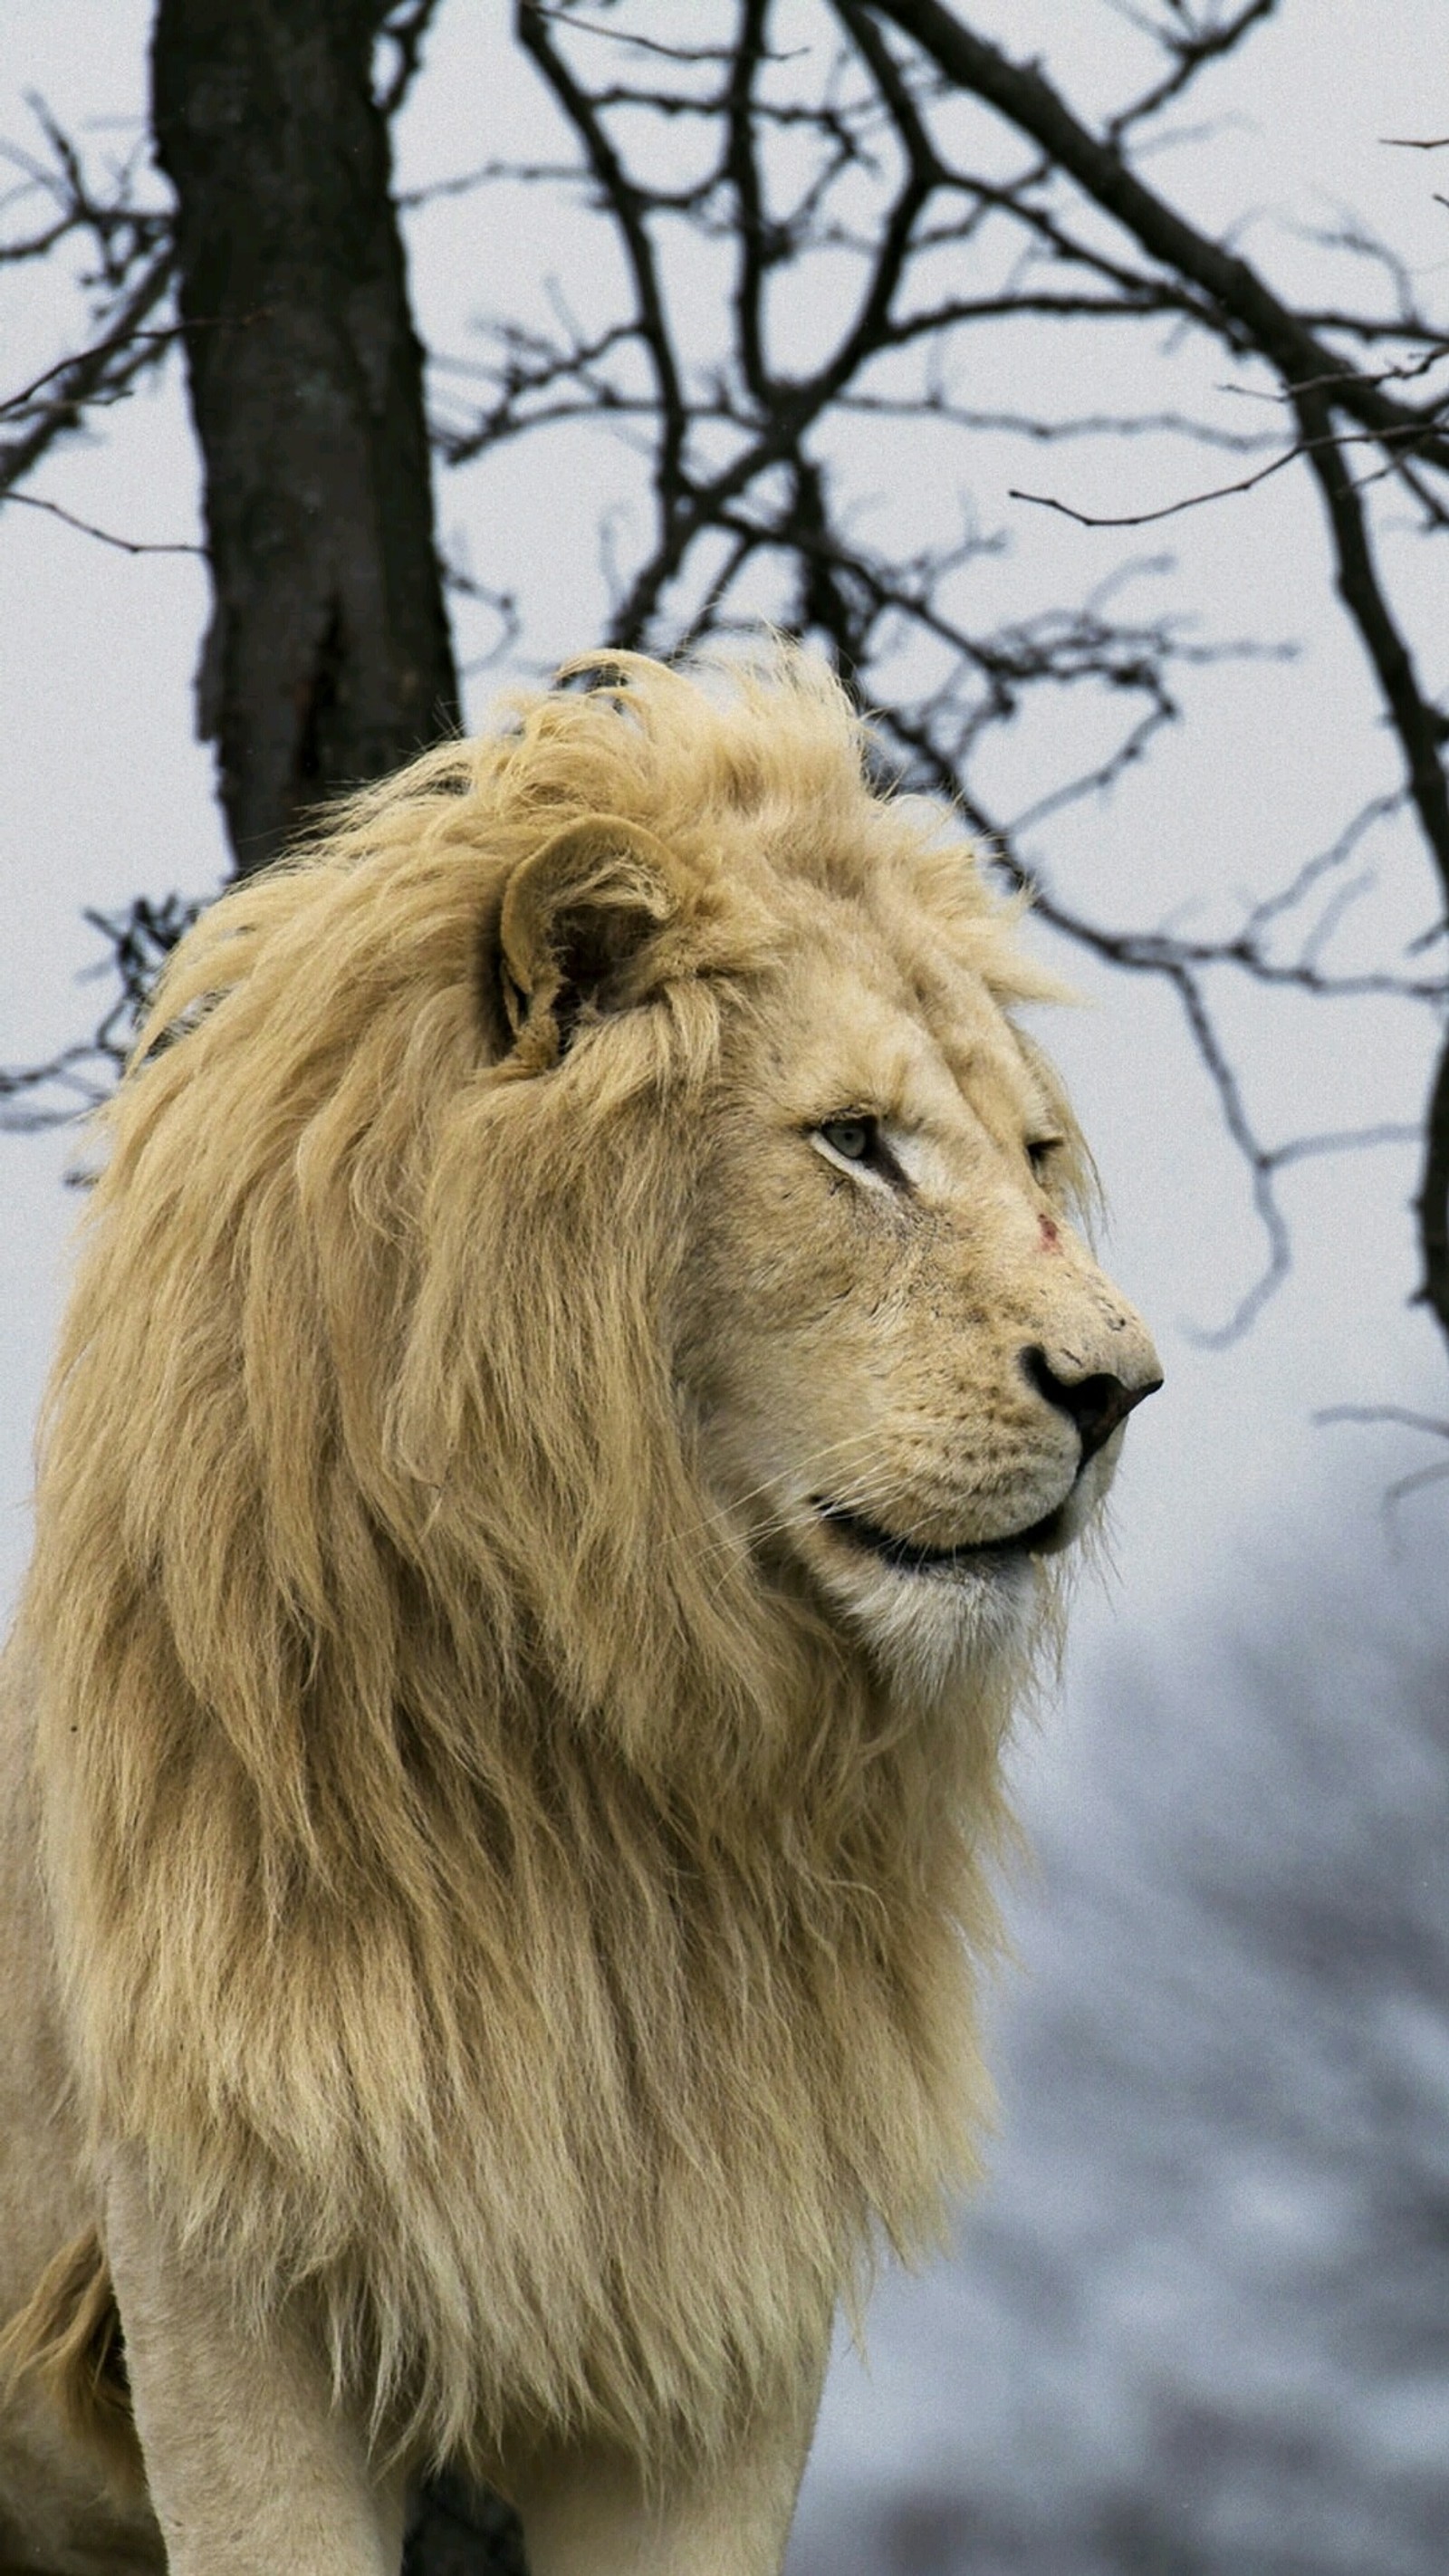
(904,1027)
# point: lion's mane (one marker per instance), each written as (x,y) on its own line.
(508,1921)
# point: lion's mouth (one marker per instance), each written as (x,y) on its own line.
(908,1556)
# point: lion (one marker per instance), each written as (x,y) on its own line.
(583,1371)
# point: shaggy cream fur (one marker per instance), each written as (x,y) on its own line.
(543,1517)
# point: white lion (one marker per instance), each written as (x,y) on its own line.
(580,1377)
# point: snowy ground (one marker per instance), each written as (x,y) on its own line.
(1199,2325)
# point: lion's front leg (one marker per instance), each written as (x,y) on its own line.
(585,2511)
(252,2469)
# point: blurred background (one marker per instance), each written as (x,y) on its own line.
(1073,376)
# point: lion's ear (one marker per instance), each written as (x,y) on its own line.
(575,917)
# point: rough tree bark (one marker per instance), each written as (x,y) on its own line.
(328,659)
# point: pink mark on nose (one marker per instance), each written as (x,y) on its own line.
(1050,1238)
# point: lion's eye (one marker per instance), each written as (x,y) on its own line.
(1039,1152)
(855,1140)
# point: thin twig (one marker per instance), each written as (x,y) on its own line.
(88,528)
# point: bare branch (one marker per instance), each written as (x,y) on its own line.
(1189,54)
(1169,510)
(1248,313)
(627,205)
(87,528)
(101,373)
(405,25)
(1384,1413)
(139,941)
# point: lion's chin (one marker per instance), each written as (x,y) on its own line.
(930,1628)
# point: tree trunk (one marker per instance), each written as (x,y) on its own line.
(328,659)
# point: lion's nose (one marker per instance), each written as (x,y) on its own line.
(1096,1404)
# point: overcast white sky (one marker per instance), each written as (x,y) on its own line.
(103,791)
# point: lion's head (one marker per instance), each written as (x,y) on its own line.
(582,1358)
(908,1369)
